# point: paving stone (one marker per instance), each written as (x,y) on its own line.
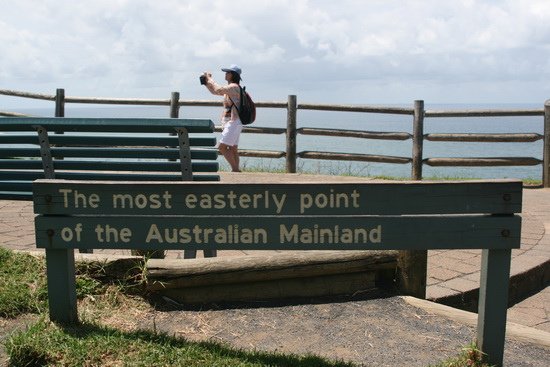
(460,284)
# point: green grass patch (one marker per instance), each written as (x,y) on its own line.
(22,284)
(470,356)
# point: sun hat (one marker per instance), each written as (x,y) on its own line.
(234,68)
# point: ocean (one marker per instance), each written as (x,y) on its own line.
(274,117)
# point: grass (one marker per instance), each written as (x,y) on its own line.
(348,169)
(90,343)
(22,284)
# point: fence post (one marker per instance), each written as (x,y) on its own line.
(413,265)
(174,105)
(60,102)
(291,135)
(418,140)
(546,153)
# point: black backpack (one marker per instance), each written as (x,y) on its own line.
(247,108)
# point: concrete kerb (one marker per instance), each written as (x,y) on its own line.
(517,331)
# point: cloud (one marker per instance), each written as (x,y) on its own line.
(143,48)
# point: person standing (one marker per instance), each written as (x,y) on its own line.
(231,124)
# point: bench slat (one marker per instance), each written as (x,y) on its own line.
(15,195)
(94,140)
(143,125)
(137,153)
(14,179)
(88,165)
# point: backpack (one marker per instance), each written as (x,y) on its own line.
(247,109)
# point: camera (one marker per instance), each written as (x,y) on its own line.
(202,78)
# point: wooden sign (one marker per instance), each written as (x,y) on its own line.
(183,215)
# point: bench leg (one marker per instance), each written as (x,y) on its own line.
(189,254)
(60,271)
(210,253)
(493,304)
(192,254)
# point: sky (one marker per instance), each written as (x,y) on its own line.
(348,52)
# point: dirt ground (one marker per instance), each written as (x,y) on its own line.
(370,329)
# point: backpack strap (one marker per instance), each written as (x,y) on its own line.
(231,99)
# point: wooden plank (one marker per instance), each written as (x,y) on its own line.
(356,108)
(87,165)
(483,113)
(21,186)
(493,303)
(281,233)
(493,138)
(482,162)
(354,133)
(19,177)
(119,141)
(142,177)
(383,198)
(354,157)
(66,124)
(110,152)
(164,274)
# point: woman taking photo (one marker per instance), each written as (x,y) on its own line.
(231,124)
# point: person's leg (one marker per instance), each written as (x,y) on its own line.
(227,152)
(236,157)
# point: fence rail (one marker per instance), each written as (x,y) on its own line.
(418,113)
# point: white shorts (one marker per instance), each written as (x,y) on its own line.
(231,132)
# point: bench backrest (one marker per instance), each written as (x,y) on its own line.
(115,149)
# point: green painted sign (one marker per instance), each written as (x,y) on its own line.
(194,198)
(182,215)
(280,233)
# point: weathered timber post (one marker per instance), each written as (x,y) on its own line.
(412,269)
(418,140)
(174,105)
(413,265)
(546,153)
(60,102)
(291,135)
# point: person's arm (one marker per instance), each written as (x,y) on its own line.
(215,88)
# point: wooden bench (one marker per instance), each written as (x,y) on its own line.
(363,216)
(115,149)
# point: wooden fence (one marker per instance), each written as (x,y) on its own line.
(418,114)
